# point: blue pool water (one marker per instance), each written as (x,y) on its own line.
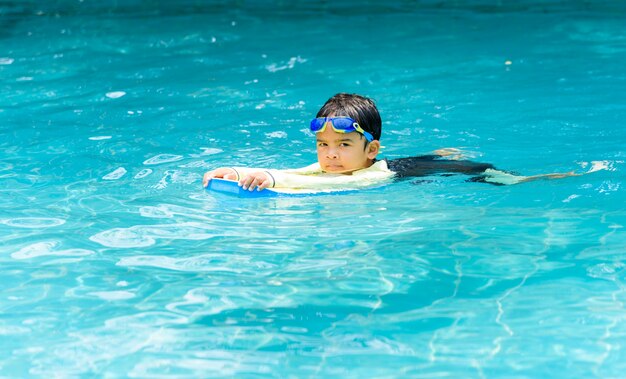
(116,263)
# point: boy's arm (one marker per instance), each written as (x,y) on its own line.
(306,177)
(255,178)
(362,178)
(289,179)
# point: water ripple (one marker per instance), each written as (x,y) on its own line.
(115,94)
(113,295)
(162,158)
(41,249)
(118,173)
(143,173)
(32,222)
(146,235)
(232,263)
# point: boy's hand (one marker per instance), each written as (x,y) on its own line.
(220,173)
(259,180)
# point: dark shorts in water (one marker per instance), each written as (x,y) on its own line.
(425,165)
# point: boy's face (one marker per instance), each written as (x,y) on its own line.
(343,153)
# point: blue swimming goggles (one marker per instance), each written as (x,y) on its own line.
(340,125)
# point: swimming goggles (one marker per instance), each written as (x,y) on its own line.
(340,125)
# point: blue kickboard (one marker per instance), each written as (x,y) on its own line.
(231,187)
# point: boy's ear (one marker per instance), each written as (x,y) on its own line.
(372,149)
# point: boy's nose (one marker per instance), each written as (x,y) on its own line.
(332,153)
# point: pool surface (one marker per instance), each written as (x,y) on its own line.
(115,262)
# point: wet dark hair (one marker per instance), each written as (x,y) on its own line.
(360,108)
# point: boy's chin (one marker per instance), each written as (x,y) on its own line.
(338,170)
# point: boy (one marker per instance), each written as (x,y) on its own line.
(348,129)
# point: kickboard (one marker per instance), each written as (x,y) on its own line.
(231,187)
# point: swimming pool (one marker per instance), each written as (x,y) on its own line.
(115,262)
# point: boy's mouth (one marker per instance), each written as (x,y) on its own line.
(334,167)
(337,169)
